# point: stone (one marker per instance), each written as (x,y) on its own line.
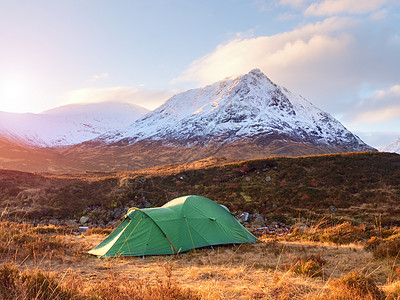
(71,222)
(243,217)
(333,208)
(83,219)
(268,179)
(257,219)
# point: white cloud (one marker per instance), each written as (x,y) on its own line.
(326,62)
(98,76)
(382,106)
(147,98)
(334,7)
(379,15)
(268,52)
(294,3)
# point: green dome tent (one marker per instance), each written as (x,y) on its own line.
(182,224)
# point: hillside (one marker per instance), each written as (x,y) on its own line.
(69,124)
(244,117)
(360,187)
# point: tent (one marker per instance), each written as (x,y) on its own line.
(182,224)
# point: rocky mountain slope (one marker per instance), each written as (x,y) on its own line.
(240,118)
(246,108)
(69,124)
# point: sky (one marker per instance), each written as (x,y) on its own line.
(341,55)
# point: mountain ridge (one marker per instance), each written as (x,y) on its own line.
(67,125)
(394,146)
(244,117)
(233,109)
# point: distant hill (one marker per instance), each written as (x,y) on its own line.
(393,146)
(359,187)
(68,125)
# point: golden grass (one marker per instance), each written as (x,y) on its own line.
(50,262)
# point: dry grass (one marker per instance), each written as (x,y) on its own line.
(51,263)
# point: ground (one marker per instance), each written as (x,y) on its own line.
(272,268)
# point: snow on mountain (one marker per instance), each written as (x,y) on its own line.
(237,108)
(69,124)
(392,147)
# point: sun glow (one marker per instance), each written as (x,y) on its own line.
(15,95)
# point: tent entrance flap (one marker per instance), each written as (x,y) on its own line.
(101,250)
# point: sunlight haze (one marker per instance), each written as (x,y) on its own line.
(343,56)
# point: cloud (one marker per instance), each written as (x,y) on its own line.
(147,98)
(326,62)
(294,3)
(99,76)
(334,7)
(376,119)
(241,54)
(382,106)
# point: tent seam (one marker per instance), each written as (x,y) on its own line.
(159,228)
(126,239)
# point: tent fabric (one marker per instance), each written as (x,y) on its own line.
(180,225)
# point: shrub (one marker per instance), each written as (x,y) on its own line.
(373,243)
(355,285)
(31,284)
(98,230)
(311,266)
(389,247)
(9,277)
(344,233)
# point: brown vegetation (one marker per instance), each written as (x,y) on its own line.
(50,262)
(356,187)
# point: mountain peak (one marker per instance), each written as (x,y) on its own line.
(249,107)
(256,73)
(256,78)
(393,146)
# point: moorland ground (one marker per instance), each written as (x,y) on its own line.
(342,211)
(339,262)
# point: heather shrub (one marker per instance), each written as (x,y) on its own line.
(355,285)
(98,230)
(344,233)
(31,284)
(381,248)
(311,266)
(9,278)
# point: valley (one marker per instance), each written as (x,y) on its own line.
(358,187)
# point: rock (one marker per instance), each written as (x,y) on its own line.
(71,222)
(257,219)
(243,217)
(333,208)
(83,219)
(268,179)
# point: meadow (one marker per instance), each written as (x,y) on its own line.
(319,262)
(341,213)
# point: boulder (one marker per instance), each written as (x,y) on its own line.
(257,219)
(243,217)
(71,222)
(83,219)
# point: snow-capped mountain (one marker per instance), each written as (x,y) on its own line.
(392,147)
(246,108)
(69,124)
